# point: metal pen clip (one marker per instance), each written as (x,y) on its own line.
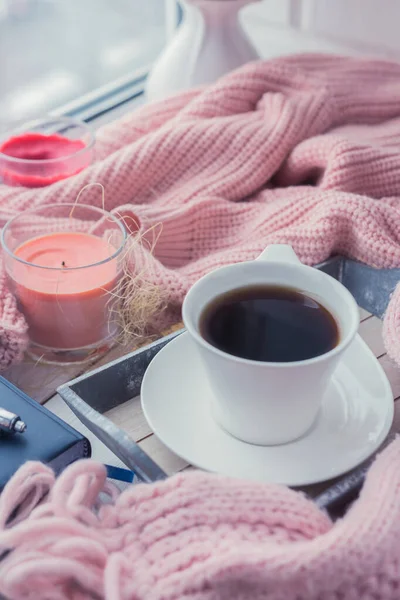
(10,422)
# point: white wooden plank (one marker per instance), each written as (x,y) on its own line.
(371,332)
(364,314)
(392,371)
(129,417)
(167,460)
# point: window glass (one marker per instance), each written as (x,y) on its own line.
(55,51)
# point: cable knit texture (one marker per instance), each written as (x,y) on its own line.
(195,536)
(301,150)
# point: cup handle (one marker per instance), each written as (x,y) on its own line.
(279,253)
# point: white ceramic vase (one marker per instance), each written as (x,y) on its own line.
(209,43)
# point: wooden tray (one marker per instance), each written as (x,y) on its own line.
(98,391)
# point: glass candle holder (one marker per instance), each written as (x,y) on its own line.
(44,151)
(64,276)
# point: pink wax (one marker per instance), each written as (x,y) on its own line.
(66,307)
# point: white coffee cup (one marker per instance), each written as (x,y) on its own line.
(264,402)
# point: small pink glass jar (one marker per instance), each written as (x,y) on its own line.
(44,151)
(64,277)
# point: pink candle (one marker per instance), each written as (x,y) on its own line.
(64,281)
(45,151)
(42,159)
(66,307)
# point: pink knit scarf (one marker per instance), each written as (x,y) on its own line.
(195,536)
(301,150)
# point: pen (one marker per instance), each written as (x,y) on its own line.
(10,422)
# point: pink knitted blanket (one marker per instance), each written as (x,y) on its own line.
(302,150)
(196,536)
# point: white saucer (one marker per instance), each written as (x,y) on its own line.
(354,419)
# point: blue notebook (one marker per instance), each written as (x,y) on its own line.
(47,438)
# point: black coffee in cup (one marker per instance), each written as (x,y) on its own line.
(269,323)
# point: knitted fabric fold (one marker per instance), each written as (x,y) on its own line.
(195,536)
(301,150)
